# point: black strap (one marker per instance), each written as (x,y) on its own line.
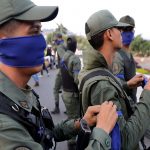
(8,107)
(104,73)
(31,121)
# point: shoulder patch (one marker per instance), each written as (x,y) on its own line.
(115,68)
(22,148)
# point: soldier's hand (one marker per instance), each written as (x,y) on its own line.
(135,81)
(107,117)
(91,114)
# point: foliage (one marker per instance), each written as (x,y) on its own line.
(141,46)
(83,44)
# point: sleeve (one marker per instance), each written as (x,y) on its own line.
(75,66)
(65,130)
(60,51)
(76,69)
(99,140)
(15,136)
(133,128)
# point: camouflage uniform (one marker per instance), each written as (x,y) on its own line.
(70,66)
(101,88)
(58,80)
(14,135)
(71,98)
(124,68)
(123,64)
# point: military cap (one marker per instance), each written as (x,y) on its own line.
(127,19)
(25,10)
(101,21)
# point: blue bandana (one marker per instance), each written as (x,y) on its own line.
(127,37)
(27,51)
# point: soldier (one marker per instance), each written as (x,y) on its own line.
(123,64)
(70,66)
(23,124)
(97,83)
(60,49)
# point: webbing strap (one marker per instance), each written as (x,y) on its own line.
(104,73)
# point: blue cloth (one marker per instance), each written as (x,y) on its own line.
(63,65)
(115,136)
(58,42)
(120,76)
(27,51)
(127,37)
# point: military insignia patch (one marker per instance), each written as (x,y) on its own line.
(24,104)
(22,148)
(116,68)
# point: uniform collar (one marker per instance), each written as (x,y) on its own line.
(24,98)
(93,59)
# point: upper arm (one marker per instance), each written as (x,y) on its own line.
(75,66)
(104,91)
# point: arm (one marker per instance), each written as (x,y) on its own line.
(132,129)
(119,70)
(106,120)
(104,117)
(60,51)
(76,66)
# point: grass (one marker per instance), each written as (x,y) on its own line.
(143,71)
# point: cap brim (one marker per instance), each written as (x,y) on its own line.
(121,24)
(39,13)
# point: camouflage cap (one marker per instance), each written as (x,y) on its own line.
(100,21)
(127,19)
(25,10)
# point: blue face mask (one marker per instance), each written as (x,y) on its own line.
(127,37)
(27,51)
(58,42)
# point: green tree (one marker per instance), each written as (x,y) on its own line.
(140,46)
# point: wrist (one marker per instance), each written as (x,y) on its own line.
(77,124)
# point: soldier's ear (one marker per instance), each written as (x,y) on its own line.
(108,34)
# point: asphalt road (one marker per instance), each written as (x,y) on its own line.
(45,90)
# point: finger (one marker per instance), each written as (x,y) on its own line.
(115,107)
(94,109)
(110,103)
